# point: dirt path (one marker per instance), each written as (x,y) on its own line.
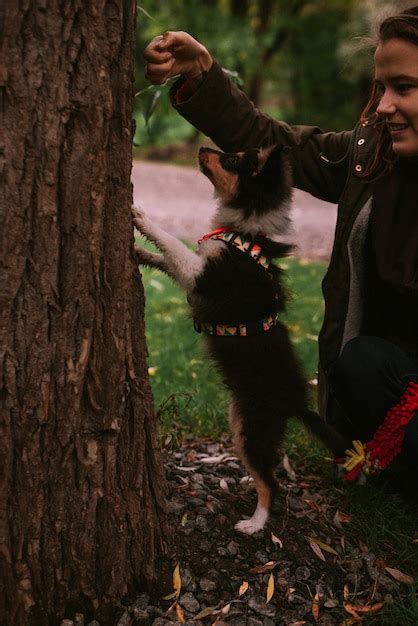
(180,199)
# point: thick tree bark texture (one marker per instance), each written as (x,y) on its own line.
(82,513)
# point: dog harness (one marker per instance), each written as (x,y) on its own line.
(245,244)
(255,252)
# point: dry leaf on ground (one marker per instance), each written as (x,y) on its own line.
(270,588)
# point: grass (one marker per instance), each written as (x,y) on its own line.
(191,401)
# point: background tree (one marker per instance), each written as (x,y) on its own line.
(82,517)
(286,53)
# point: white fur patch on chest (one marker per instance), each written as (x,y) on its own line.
(210,249)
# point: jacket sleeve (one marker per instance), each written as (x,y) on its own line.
(223,112)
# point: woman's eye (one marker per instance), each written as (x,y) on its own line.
(404,87)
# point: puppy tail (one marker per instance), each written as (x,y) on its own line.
(331,438)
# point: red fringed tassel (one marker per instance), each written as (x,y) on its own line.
(387,440)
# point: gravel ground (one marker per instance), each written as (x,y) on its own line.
(301,569)
(180,199)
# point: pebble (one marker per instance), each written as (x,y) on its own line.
(232,548)
(207,585)
(141,602)
(261,557)
(202,524)
(125,620)
(302,573)
(189,602)
(260,606)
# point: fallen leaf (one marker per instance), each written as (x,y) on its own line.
(315,607)
(180,614)
(221,458)
(313,505)
(351,611)
(223,484)
(243,588)
(323,545)
(399,576)
(225,609)
(170,596)
(177,580)
(289,469)
(210,506)
(317,550)
(209,610)
(270,588)
(262,569)
(346,592)
(276,540)
(184,520)
(355,609)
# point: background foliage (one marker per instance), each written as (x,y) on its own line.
(299,60)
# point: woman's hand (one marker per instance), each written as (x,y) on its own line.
(175,53)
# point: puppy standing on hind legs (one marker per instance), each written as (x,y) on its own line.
(236,295)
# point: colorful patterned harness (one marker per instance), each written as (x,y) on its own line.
(254,250)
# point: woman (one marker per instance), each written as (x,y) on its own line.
(368,345)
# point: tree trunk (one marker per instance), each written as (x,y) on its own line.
(82,509)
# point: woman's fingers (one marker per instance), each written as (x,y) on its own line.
(158,73)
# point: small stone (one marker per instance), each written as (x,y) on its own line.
(141,617)
(79,619)
(67,622)
(205,546)
(141,602)
(177,507)
(207,585)
(260,606)
(253,621)
(232,548)
(189,602)
(202,524)
(388,599)
(154,611)
(222,551)
(261,557)
(125,620)
(302,573)
(187,580)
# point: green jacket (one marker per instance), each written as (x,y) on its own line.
(327,165)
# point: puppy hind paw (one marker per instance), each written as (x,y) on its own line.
(254,524)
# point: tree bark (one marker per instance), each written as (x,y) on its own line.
(82,507)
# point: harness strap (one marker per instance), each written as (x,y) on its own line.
(236,330)
(244,244)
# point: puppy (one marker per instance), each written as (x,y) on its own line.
(237,296)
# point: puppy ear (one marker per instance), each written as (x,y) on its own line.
(269,157)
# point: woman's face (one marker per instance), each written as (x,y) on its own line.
(396,76)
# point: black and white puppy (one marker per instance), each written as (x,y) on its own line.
(236,296)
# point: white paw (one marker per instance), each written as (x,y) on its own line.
(139,218)
(255,523)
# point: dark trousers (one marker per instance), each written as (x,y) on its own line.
(368,379)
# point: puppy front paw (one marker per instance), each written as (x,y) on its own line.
(140,219)
(141,255)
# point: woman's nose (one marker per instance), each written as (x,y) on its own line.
(386,105)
